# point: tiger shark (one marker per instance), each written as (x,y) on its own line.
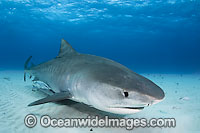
(96,81)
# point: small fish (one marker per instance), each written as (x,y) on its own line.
(7,78)
(184,98)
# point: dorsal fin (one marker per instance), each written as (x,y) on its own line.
(65,49)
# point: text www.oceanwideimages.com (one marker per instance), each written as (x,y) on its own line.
(95,121)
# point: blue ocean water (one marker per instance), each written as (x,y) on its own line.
(161,36)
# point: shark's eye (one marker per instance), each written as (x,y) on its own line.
(125,93)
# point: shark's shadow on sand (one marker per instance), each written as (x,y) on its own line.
(84,108)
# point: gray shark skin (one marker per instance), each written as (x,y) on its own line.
(96,81)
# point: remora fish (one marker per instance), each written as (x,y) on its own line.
(95,81)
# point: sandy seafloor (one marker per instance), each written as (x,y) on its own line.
(182,102)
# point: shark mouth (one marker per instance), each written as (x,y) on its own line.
(138,108)
(125,109)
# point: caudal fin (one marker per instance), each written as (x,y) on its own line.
(26,67)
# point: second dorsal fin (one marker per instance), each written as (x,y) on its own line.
(65,49)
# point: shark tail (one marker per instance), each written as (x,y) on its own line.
(26,67)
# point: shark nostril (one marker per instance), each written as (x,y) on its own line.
(126,94)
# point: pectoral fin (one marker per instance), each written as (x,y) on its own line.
(53,98)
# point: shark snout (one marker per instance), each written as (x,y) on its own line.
(153,93)
(158,94)
(157,97)
(140,99)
